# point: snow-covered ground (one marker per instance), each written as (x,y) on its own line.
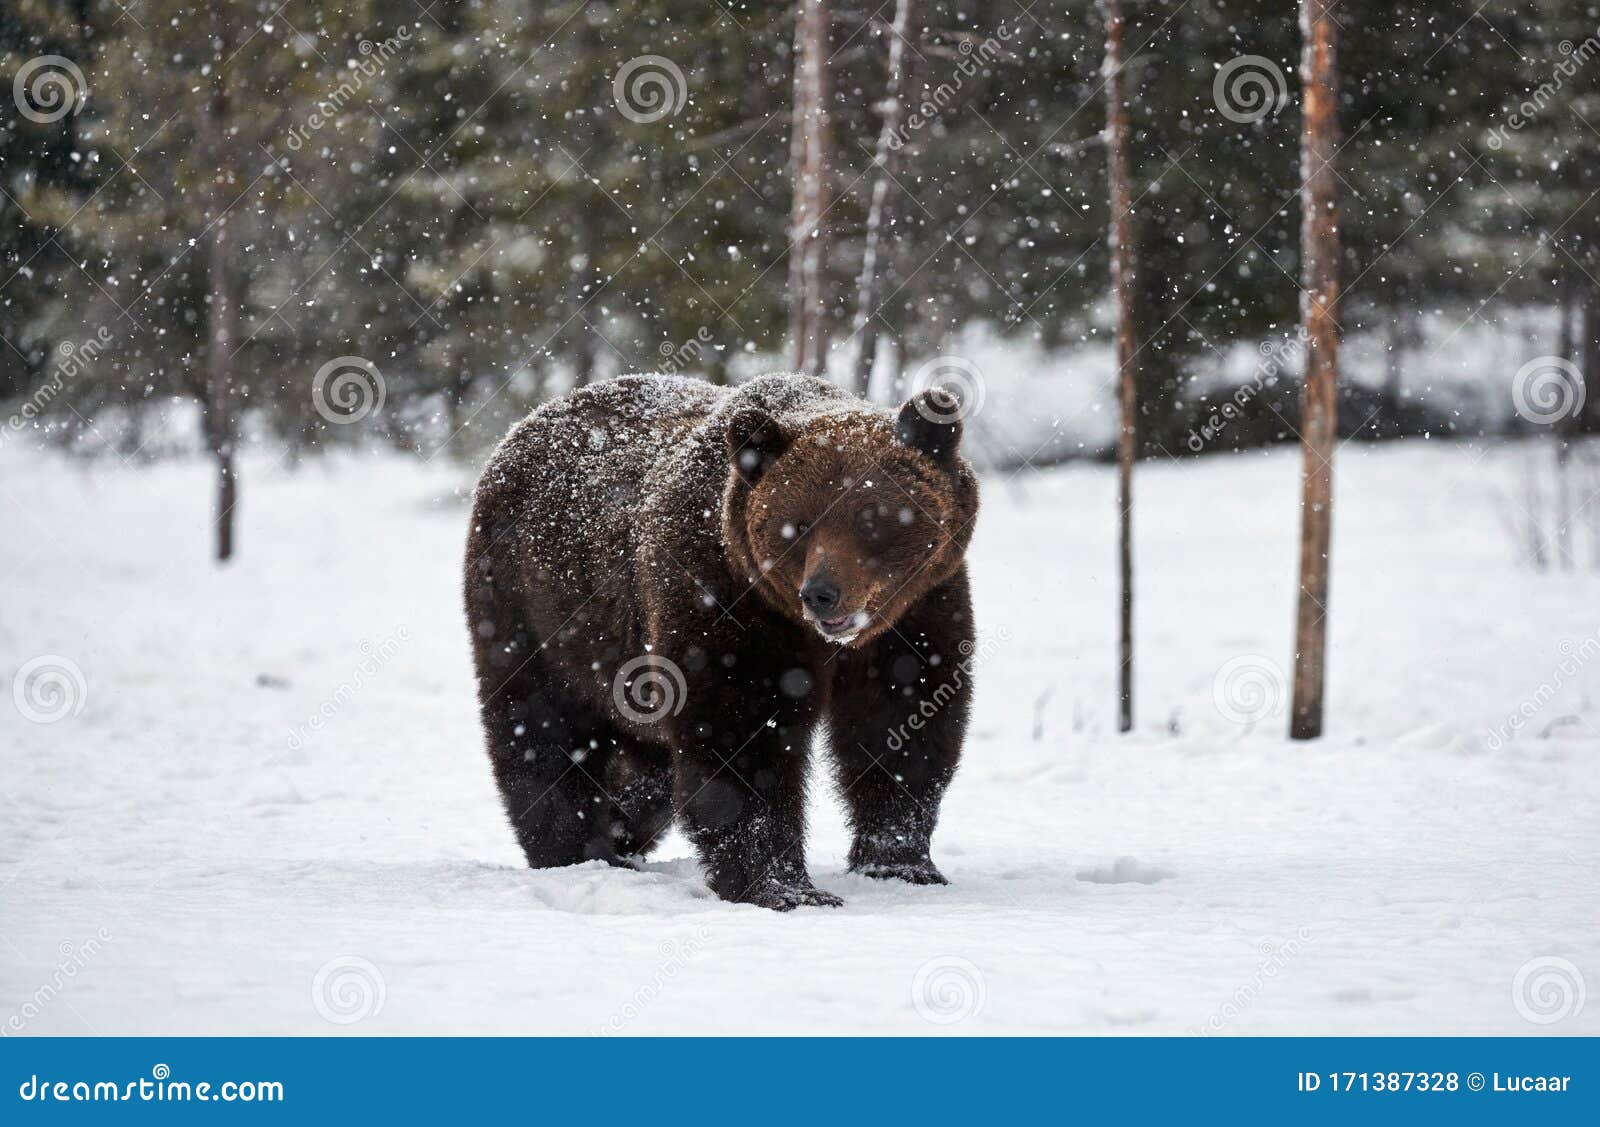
(266,808)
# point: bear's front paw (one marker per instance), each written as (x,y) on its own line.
(923,871)
(785,896)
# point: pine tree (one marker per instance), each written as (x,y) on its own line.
(190,220)
(47,47)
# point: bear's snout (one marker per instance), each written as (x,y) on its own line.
(820,596)
(823,601)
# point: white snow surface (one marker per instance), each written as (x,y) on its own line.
(188,853)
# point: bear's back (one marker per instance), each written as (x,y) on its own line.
(579,465)
(599,462)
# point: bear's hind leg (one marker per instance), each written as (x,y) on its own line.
(639,778)
(549,755)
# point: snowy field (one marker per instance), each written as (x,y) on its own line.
(266,808)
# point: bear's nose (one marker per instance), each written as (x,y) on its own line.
(820,596)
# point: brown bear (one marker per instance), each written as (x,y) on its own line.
(670,586)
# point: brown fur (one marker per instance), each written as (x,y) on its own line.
(835,469)
(664,523)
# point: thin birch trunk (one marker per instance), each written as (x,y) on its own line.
(810,139)
(1122,287)
(1563,433)
(875,258)
(223,312)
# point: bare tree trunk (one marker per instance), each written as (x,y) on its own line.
(1122,287)
(1563,503)
(584,361)
(891,144)
(223,313)
(1591,486)
(1563,433)
(1319,305)
(586,136)
(1566,307)
(456,390)
(1395,367)
(1534,507)
(808,149)
(1589,358)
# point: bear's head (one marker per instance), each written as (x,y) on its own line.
(845,517)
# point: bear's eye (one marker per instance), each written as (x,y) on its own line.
(869,522)
(794,530)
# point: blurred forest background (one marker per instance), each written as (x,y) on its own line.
(203,205)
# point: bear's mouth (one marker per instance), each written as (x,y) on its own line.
(841,629)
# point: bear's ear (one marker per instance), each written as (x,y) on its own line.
(754,440)
(930,422)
